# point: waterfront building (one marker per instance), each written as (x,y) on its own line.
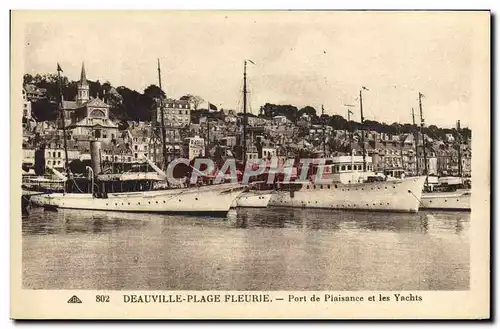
(26,106)
(194,147)
(177,113)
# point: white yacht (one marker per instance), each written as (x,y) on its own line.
(209,199)
(253,199)
(346,185)
(446,193)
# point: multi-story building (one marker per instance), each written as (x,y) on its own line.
(230,116)
(26,106)
(177,113)
(194,147)
(33,93)
(269,152)
(28,156)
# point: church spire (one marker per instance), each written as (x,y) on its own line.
(83,92)
(83,77)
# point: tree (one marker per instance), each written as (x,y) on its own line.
(28,79)
(194,99)
(136,106)
(309,110)
(271,110)
(44,110)
(94,88)
(154,92)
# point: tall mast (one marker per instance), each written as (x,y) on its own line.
(362,126)
(416,140)
(207,150)
(422,131)
(162,124)
(245,113)
(63,119)
(324,135)
(401,148)
(459,140)
(348,133)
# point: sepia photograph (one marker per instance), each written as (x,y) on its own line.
(247,151)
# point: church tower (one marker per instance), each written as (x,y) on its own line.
(82,95)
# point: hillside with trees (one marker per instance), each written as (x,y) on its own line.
(338,122)
(131,105)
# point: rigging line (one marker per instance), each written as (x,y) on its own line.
(420,202)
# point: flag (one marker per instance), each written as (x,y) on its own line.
(59,69)
(212,107)
(251,61)
(365,88)
(350,112)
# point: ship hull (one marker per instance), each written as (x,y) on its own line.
(446,201)
(202,200)
(394,196)
(252,200)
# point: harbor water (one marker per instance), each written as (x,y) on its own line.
(249,249)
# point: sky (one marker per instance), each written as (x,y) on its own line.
(301,58)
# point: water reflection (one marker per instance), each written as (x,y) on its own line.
(250,249)
(40,222)
(318,219)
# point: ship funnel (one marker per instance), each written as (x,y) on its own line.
(95,157)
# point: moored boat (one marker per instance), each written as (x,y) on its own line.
(345,184)
(446,193)
(213,199)
(458,200)
(252,199)
(398,195)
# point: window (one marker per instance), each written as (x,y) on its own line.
(135,155)
(53,154)
(187,112)
(180,112)
(343,167)
(349,167)
(104,136)
(58,154)
(135,147)
(48,162)
(145,147)
(129,159)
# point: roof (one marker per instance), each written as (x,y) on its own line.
(170,102)
(70,105)
(83,76)
(89,122)
(139,132)
(96,102)
(31,88)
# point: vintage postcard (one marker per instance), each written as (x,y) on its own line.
(250,164)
